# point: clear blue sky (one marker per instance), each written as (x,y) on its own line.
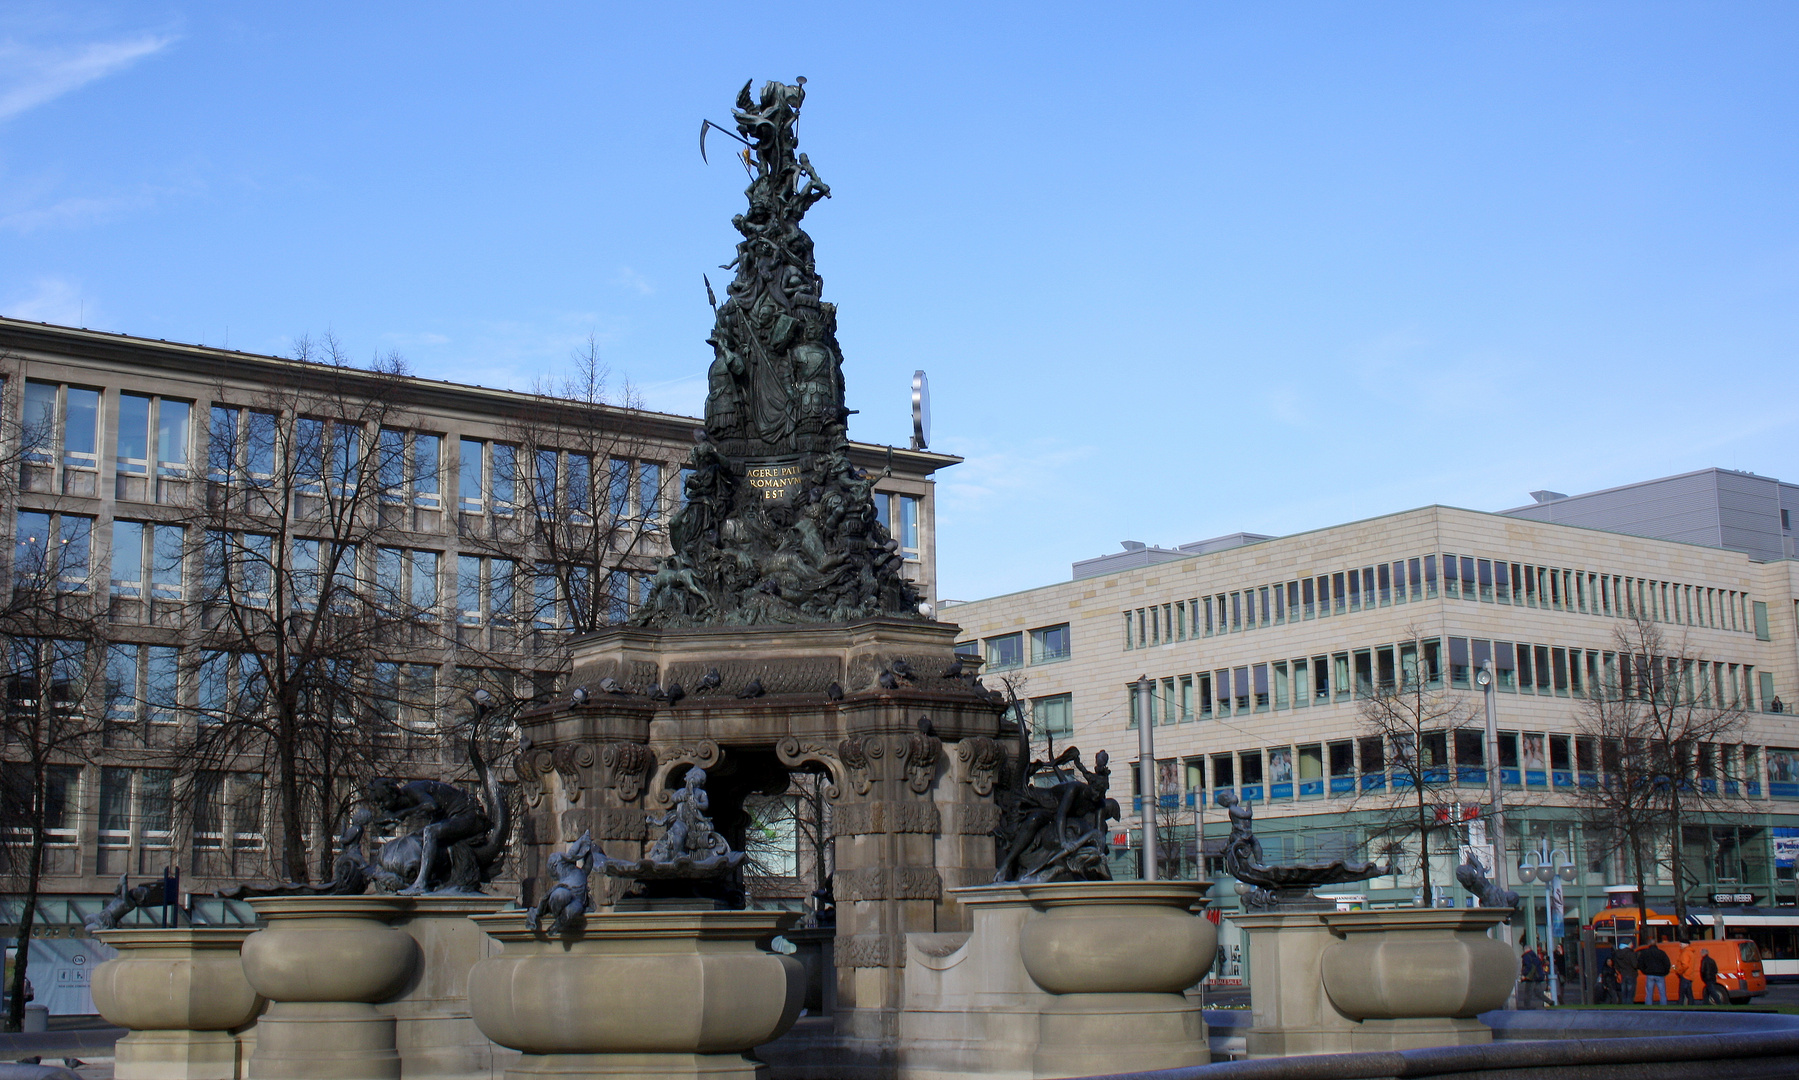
(1175,270)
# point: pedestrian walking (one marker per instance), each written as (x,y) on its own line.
(1688,972)
(1530,979)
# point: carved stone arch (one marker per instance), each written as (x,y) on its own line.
(705,753)
(795,754)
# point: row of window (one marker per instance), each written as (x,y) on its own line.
(1048,645)
(153,560)
(1527,759)
(62,423)
(1463,576)
(140,804)
(161,683)
(1519,667)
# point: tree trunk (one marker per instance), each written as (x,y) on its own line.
(293,834)
(1680,892)
(15,1013)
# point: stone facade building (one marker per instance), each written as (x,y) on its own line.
(1261,653)
(116,453)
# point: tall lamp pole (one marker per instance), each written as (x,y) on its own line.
(1146,773)
(1495,794)
(1545,866)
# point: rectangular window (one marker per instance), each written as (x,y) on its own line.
(1186,700)
(1483,653)
(133,444)
(155,805)
(469,486)
(1485,569)
(1433,662)
(1204,681)
(162,682)
(468,590)
(1223,773)
(1364,673)
(127,558)
(1280,605)
(168,560)
(115,806)
(427,450)
(1261,687)
(1240,684)
(1127,631)
(1321,679)
(1005,651)
(1504,573)
(1386,585)
(1459,666)
(1761,621)
(1280,684)
(1308,600)
(908,527)
(1236,611)
(424,582)
(1340,675)
(1053,716)
(649,491)
(1355,591)
(1451,584)
(1430,577)
(1249,766)
(1542,668)
(1262,606)
(618,488)
(1385,671)
(1469,591)
(1339,595)
(1049,644)
(502,479)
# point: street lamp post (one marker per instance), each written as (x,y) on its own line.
(1545,866)
(1495,793)
(1146,773)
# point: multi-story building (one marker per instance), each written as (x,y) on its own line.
(1261,655)
(129,459)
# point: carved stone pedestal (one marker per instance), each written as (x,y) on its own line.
(1337,982)
(906,749)
(433,1031)
(182,992)
(659,993)
(1059,980)
(322,963)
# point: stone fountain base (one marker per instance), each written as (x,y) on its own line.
(182,992)
(1399,979)
(657,993)
(1058,980)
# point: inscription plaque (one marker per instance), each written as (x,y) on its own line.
(775,482)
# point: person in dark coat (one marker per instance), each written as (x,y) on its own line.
(1655,965)
(1624,962)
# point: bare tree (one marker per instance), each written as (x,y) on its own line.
(1662,719)
(584,515)
(51,641)
(1412,725)
(310,600)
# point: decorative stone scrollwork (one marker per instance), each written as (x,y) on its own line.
(531,766)
(866,951)
(626,767)
(705,753)
(921,753)
(854,752)
(889,883)
(976,819)
(570,759)
(865,818)
(981,758)
(795,754)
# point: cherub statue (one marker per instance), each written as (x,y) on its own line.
(569,898)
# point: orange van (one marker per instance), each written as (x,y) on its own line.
(1739,970)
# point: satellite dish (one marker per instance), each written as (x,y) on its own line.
(921,411)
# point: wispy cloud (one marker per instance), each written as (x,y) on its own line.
(51,300)
(70,212)
(32,75)
(627,278)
